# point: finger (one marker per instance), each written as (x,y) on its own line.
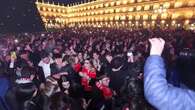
(162,40)
(150,40)
(154,40)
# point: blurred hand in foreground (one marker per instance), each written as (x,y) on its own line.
(157,46)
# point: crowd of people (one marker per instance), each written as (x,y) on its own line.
(84,68)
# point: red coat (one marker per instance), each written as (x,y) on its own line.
(77,67)
(107,92)
(85,81)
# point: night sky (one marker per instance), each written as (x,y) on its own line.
(66,2)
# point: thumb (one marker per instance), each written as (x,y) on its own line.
(150,40)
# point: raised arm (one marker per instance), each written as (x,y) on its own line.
(158,92)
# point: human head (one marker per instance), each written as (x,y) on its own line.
(117,62)
(109,57)
(24,54)
(45,57)
(26,72)
(95,56)
(80,55)
(58,58)
(105,80)
(65,82)
(20,64)
(87,63)
(73,60)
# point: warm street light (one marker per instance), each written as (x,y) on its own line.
(160,10)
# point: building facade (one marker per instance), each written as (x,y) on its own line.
(120,13)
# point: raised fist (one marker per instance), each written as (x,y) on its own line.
(157,46)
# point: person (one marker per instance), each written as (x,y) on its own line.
(157,90)
(133,95)
(58,68)
(103,85)
(106,64)
(23,90)
(118,74)
(69,91)
(45,63)
(96,61)
(4,86)
(88,73)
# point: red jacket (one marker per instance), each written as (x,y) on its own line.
(85,81)
(107,92)
(77,67)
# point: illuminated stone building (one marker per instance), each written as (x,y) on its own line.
(120,13)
